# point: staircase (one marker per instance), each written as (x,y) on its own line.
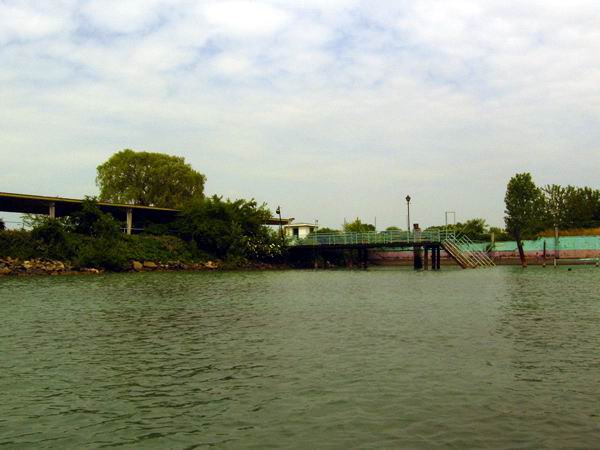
(462,250)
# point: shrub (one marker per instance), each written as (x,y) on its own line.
(53,240)
(2,225)
(103,253)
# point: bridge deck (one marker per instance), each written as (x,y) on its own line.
(372,239)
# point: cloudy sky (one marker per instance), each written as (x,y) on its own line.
(332,108)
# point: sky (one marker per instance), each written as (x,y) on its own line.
(333,109)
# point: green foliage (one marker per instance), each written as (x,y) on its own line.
(91,221)
(475,229)
(17,244)
(500,234)
(2,225)
(358,227)
(525,207)
(325,230)
(228,229)
(145,178)
(103,253)
(53,240)
(393,228)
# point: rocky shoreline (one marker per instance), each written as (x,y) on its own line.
(38,266)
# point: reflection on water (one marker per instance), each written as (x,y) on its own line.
(327,359)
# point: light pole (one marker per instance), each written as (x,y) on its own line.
(408,213)
(278,211)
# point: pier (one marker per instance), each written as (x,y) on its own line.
(426,245)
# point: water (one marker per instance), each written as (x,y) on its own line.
(499,358)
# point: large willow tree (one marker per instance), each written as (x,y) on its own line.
(150,179)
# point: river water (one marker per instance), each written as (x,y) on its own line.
(388,358)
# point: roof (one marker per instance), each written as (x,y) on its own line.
(300,224)
(39,204)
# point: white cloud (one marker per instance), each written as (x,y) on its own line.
(245,17)
(332,109)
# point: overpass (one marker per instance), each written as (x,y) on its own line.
(61,206)
(458,246)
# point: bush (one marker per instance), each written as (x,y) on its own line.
(53,241)
(225,228)
(91,221)
(102,253)
(17,244)
(2,225)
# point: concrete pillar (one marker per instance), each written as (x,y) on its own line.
(52,210)
(426,259)
(417,258)
(129,220)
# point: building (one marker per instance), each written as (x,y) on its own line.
(299,230)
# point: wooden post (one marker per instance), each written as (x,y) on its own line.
(129,220)
(426,260)
(417,260)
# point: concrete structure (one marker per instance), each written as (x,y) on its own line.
(132,215)
(298,230)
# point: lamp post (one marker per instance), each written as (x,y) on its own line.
(408,214)
(278,211)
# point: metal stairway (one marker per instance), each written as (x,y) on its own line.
(462,250)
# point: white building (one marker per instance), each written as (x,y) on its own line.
(299,230)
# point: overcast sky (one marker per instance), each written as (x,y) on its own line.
(332,108)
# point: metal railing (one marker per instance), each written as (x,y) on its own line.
(372,238)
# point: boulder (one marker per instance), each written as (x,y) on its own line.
(137,266)
(211,265)
(5,271)
(150,265)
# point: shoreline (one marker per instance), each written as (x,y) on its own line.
(14,267)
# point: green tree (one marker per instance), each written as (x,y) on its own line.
(91,221)
(358,227)
(227,229)
(326,230)
(151,179)
(393,228)
(524,213)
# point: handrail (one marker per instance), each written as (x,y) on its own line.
(372,237)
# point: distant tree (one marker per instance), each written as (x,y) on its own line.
(325,230)
(151,179)
(393,228)
(475,229)
(524,213)
(358,227)
(500,234)
(555,198)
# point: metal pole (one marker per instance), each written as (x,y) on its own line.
(408,215)
(280,224)
(556,243)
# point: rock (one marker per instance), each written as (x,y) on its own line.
(137,266)
(211,265)
(150,265)
(5,271)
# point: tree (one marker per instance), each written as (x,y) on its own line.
(227,228)
(524,211)
(393,228)
(326,230)
(358,227)
(91,221)
(150,179)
